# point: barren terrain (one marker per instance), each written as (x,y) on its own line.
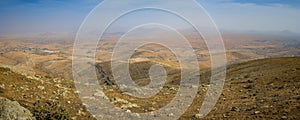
(46,55)
(262,77)
(267,88)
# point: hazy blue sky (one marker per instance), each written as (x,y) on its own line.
(32,16)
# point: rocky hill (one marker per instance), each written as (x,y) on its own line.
(45,97)
(260,89)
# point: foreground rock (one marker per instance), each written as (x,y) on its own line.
(12,110)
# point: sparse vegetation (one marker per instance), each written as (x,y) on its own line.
(49,110)
(28,89)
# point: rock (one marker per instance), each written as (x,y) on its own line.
(249,86)
(235,109)
(194,86)
(257,112)
(249,81)
(226,115)
(128,111)
(100,94)
(129,105)
(125,104)
(6,73)
(198,116)
(298,98)
(204,85)
(12,110)
(1,90)
(81,112)
(2,86)
(152,109)
(171,114)
(41,87)
(119,100)
(137,115)
(173,88)
(243,97)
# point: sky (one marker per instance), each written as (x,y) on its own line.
(38,16)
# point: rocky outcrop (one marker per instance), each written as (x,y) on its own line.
(12,110)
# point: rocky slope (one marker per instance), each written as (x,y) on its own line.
(45,97)
(260,89)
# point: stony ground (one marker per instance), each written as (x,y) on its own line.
(28,90)
(261,89)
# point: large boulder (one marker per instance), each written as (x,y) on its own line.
(12,110)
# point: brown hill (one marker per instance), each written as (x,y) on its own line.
(260,89)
